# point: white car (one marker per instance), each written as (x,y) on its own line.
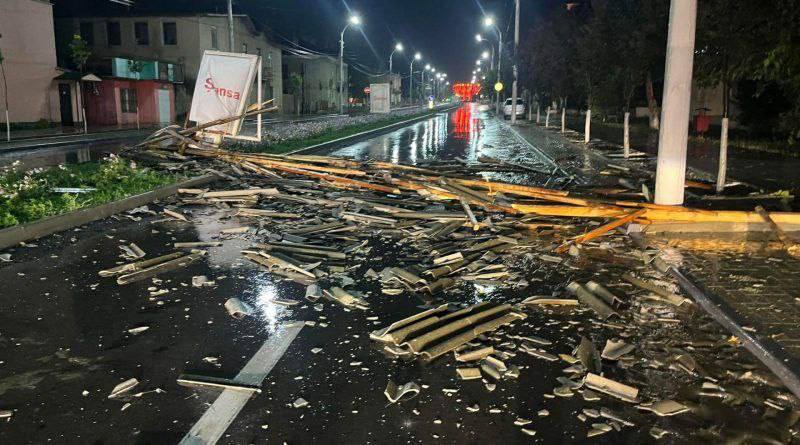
(520,109)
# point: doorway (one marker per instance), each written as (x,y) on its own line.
(164,106)
(65,100)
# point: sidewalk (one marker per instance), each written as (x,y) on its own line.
(766,170)
(754,279)
(32,139)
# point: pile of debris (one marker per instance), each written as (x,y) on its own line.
(428,231)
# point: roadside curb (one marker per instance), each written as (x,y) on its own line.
(372,132)
(14,235)
(35,143)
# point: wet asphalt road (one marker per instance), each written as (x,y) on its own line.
(64,342)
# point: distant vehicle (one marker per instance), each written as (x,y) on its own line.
(520,109)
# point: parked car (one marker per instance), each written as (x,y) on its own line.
(520,109)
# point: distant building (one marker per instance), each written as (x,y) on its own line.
(319,91)
(395,85)
(29,51)
(170,48)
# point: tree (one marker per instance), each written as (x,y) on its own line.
(729,44)
(79,52)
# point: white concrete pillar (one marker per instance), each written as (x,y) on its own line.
(587,128)
(547,119)
(723,156)
(538,113)
(675,112)
(564,119)
(626,135)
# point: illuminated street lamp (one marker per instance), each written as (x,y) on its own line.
(397,47)
(417,56)
(485,55)
(354,20)
(488,22)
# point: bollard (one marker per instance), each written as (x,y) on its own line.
(563,119)
(547,119)
(723,156)
(538,115)
(626,135)
(588,127)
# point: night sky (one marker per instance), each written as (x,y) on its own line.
(442,30)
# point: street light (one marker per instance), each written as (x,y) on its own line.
(489,23)
(485,55)
(397,47)
(479,38)
(354,20)
(417,56)
(478,62)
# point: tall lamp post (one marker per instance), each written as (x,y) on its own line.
(489,23)
(481,39)
(417,56)
(397,47)
(514,83)
(355,21)
(427,68)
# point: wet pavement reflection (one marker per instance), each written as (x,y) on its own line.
(64,154)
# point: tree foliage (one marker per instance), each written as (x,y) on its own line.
(609,55)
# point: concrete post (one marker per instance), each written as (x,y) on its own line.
(538,113)
(587,128)
(230,24)
(514,82)
(563,119)
(547,118)
(723,156)
(626,135)
(8,127)
(673,135)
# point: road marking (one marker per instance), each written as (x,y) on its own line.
(229,403)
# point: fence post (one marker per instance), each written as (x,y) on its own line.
(626,135)
(723,156)
(588,127)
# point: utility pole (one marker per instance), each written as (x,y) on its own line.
(230,24)
(673,135)
(514,83)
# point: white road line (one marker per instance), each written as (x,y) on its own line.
(223,411)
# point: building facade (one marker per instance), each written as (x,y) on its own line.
(28,46)
(319,90)
(171,48)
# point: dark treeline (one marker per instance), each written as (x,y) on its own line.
(608,55)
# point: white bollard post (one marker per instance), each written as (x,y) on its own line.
(547,119)
(563,119)
(626,135)
(587,127)
(538,114)
(675,112)
(8,128)
(723,156)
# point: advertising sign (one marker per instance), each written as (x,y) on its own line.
(222,88)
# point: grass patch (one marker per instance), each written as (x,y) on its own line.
(28,196)
(325,136)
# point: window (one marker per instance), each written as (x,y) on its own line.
(141,33)
(127,97)
(87,33)
(114,34)
(244,48)
(214,38)
(170,33)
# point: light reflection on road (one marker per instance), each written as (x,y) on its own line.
(446,135)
